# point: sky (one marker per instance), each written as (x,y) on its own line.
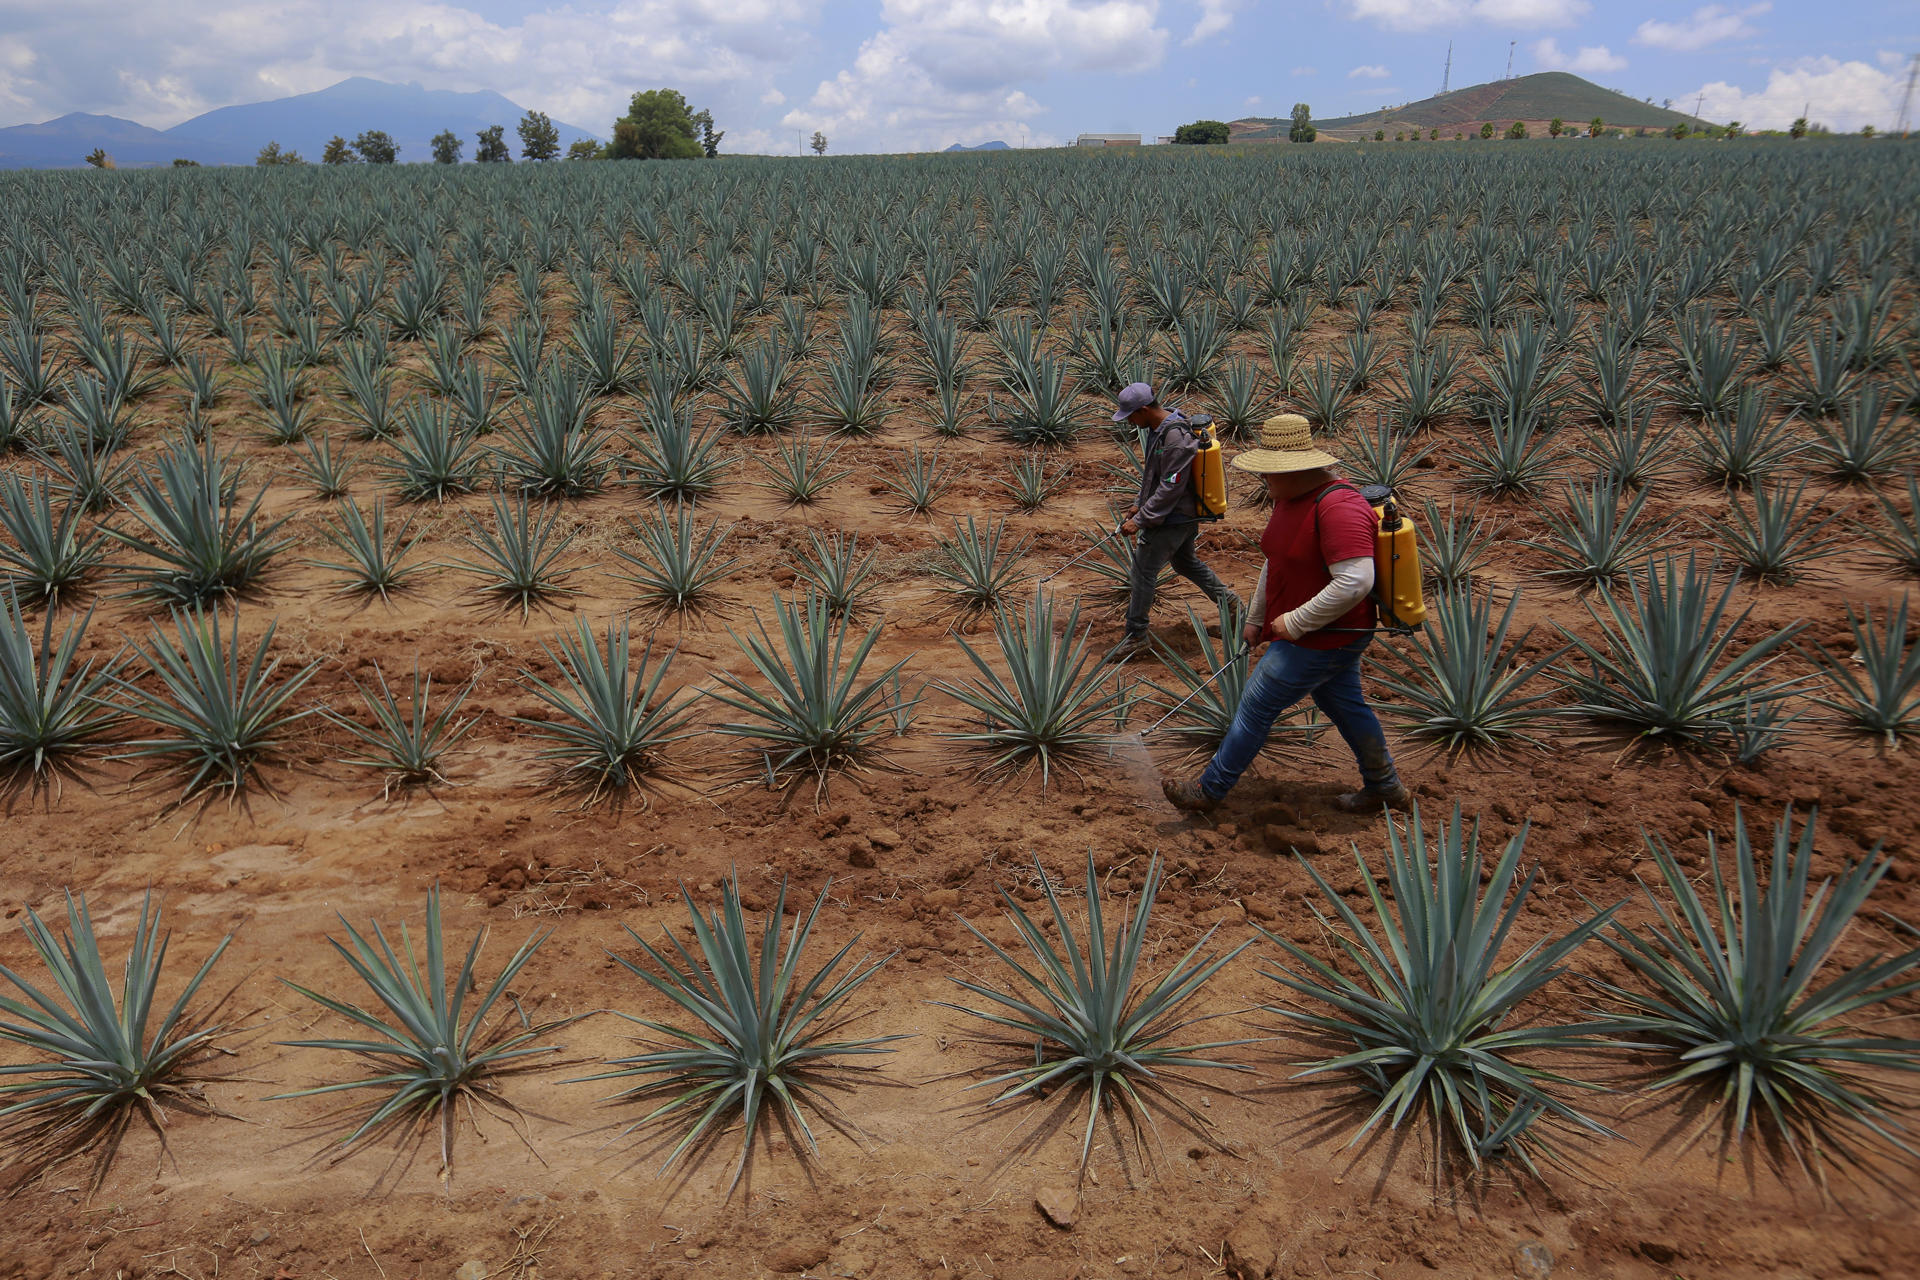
(906,75)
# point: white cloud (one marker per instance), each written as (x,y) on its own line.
(938,69)
(1373,71)
(1590,60)
(1215,16)
(772,98)
(1421,15)
(161,61)
(1840,95)
(1708,25)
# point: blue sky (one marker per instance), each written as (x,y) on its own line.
(887,75)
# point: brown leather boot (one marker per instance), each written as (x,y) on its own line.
(1188,796)
(1374,799)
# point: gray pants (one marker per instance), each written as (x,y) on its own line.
(1159,547)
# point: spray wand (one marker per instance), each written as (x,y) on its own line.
(1200,688)
(1084,554)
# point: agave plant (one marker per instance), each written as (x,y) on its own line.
(219,713)
(1598,540)
(1460,683)
(406,746)
(52,554)
(89,473)
(1383,455)
(1868,443)
(613,726)
(375,564)
(520,555)
(676,566)
(100,1058)
(833,569)
(205,544)
(976,570)
(53,708)
(1883,698)
(424,1050)
(1031,483)
(1427,1008)
(802,469)
(1207,694)
(549,447)
(819,715)
(1456,544)
(1900,540)
(760,399)
(1090,1020)
(1666,665)
(1629,450)
(1516,459)
(435,458)
(921,483)
(1780,538)
(1047,709)
(1740,448)
(676,463)
(1741,989)
(762,1042)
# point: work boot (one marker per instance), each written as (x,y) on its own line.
(1127,648)
(1374,799)
(1188,795)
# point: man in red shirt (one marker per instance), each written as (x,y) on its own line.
(1314,604)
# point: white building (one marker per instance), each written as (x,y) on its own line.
(1107,140)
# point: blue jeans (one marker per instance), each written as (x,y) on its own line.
(1287,673)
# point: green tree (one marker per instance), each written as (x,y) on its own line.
(376,146)
(491,147)
(1433,135)
(181,162)
(709,136)
(658,126)
(1486,130)
(338,152)
(446,147)
(1798,129)
(1202,133)
(1302,129)
(271,154)
(819,143)
(1402,137)
(583,149)
(1516,131)
(1866,131)
(1679,130)
(1594,127)
(1556,127)
(99,158)
(1735,129)
(539,140)
(1379,135)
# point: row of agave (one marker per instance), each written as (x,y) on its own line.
(1668,664)
(1422,995)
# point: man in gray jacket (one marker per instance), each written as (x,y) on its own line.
(1164,514)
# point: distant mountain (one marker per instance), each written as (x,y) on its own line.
(995,145)
(1535,99)
(303,123)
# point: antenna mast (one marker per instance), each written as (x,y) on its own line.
(1510,47)
(1446,77)
(1906,101)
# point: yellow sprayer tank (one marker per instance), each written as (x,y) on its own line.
(1209,473)
(1396,567)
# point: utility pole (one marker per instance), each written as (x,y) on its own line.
(1698,103)
(1906,100)
(1510,47)
(1446,77)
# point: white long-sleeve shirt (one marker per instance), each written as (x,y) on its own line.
(1352,582)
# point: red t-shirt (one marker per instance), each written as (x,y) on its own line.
(1299,548)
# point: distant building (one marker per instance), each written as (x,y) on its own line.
(1165,141)
(1107,140)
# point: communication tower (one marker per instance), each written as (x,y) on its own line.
(1510,47)
(1446,77)
(1906,100)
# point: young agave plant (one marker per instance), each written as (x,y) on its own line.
(520,556)
(327,474)
(676,566)
(1456,544)
(834,571)
(1900,540)
(426,1052)
(762,1042)
(1460,683)
(219,714)
(1780,538)
(976,571)
(818,716)
(1883,697)
(1665,665)
(205,545)
(374,564)
(613,727)
(1743,447)
(1867,443)
(674,462)
(1427,1009)
(1597,541)
(54,710)
(100,1057)
(435,458)
(1741,989)
(1030,483)
(1089,1022)
(1203,702)
(921,483)
(52,554)
(1384,456)
(406,746)
(89,472)
(1050,708)
(802,468)
(1516,459)
(1629,450)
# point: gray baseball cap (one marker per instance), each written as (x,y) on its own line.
(1134,397)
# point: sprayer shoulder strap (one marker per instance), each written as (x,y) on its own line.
(1328,488)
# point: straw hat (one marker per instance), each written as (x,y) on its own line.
(1286,444)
